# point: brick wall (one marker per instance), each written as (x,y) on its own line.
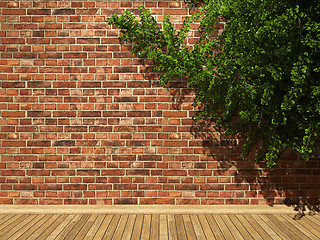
(83,121)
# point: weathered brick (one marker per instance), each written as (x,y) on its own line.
(24,187)
(75,187)
(29,201)
(39,11)
(64,11)
(25,55)
(61,143)
(139,113)
(143,172)
(88,172)
(76,129)
(126,201)
(39,114)
(50,187)
(157,201)
(39,143)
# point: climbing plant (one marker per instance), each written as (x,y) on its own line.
(259,79)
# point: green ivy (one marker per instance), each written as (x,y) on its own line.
(259,79)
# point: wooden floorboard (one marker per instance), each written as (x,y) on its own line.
(102,227)
(197,227)
(181,231)
(255,229)
(136,232)
(163,227)
(158,226)
(154,228)
(172,228)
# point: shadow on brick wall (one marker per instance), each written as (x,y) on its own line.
(293,182)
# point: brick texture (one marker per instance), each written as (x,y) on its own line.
(83,121)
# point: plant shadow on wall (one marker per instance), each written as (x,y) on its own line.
(293,181)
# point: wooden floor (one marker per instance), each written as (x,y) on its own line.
(166,226)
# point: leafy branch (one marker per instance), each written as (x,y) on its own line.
(258,79)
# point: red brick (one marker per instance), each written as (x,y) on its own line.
(39,114)
(5,69)
(89,114)
(13,143)
(67,114)
(125,186)
(66,172)
(38,41)
(38,173)
(98,187)
(88,172)
(12,114)
(150,187)
(24,187)
(237,187)
(13,173)
(13,41)
(174,173)
(46,26)
(126,201)
(143,172)
(61,143)
(157,201)
(28,201)
(50,201)
(20,26)
(139,114)
(114,114)
(13,11)
(40,143)
(88,40)
(112,172)
(76,4)
(200,172)
(100,129)
(175,143)
(74,26)
(50,158)
(75,201)
(13,84)
(76,129)
(75,187)
(39,11)
(25,55)
(8,201)
(188,201)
